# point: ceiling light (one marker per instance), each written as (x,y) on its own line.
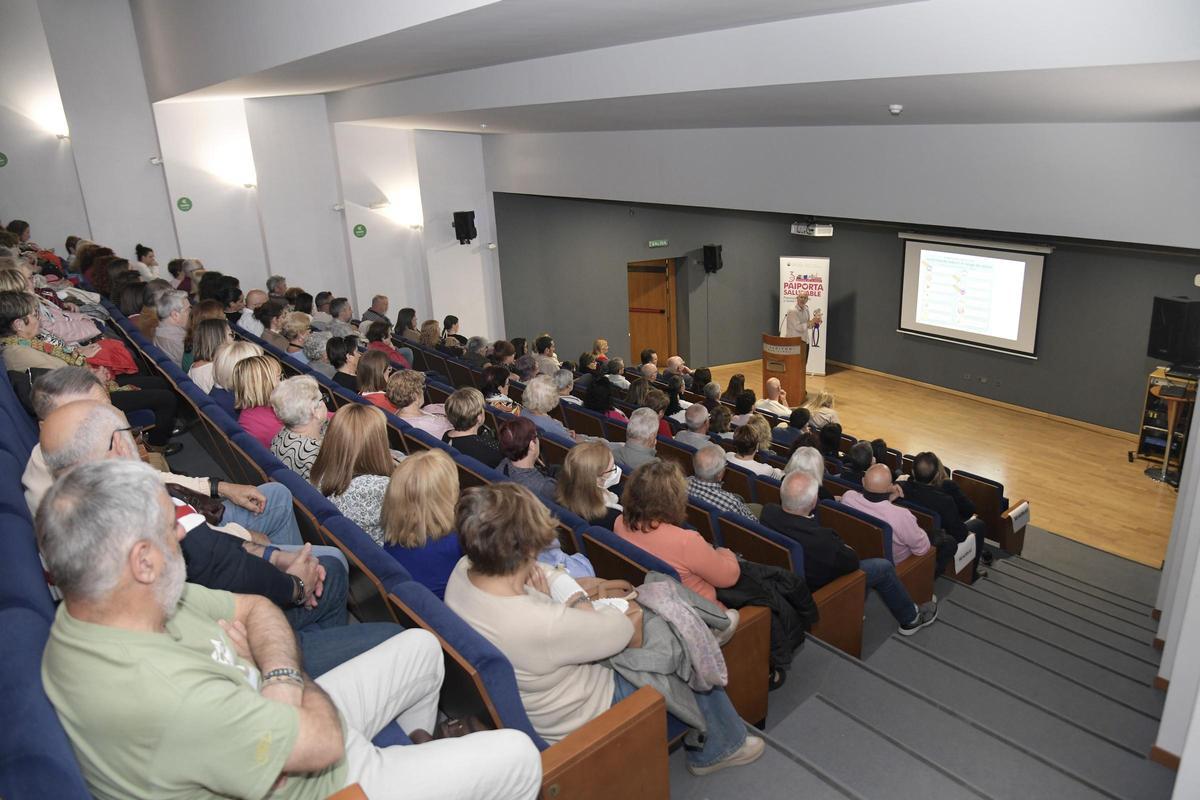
(249,185)
(380,205)
(62,136)
(483,124)
(895,109)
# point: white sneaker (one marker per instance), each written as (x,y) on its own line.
(724,636)
(750,751)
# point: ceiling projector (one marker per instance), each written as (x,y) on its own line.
(811,229)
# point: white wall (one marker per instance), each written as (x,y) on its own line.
(207,158)
(1121,182)
(95,57)
(38,185)
(294,158)
(464,280)
(380,164)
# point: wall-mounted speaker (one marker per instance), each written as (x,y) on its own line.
(464,226)
(712,258)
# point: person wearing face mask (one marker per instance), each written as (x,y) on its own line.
(708,468)
(585,483)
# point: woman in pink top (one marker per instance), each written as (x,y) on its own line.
(655,505)
(254,379)
(406,391)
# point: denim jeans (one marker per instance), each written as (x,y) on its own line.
(325,648)
(881,576)
(330,611)
(318,551)
(726,731)
(277,520)
(978,528)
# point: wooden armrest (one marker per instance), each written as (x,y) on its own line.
(1011,507)
(1011,533)
(916,573)
(351,792)
(748,659)
(841,605)
(621,753)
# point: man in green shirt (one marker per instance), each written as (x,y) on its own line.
(170,690)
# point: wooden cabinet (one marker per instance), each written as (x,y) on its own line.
(1152,438)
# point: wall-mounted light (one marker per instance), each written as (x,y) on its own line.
(338,207)
(382,204)
(155,161)
(491,245)
(61,136)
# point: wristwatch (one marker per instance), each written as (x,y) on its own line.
(298,590)
(213,483)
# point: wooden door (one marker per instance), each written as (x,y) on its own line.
(652,308)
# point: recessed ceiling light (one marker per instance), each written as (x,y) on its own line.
(895,109)
(483,124)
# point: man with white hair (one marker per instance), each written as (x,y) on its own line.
(708,468)
(378,310)
(827,557)
(221,704)
(277,288)
(641,441)
(564,380)
(342,312)
(254,298)
(776,400)
(696,433)
(174,310)
(649,371)
(615,376)
(676,366)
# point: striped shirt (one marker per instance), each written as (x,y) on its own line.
(714,494)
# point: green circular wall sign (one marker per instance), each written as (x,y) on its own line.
(184,204)
(360,231)
(3,160)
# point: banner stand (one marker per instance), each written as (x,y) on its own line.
(809,275)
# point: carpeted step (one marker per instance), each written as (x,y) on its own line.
(998,768)
(1033,568)
(775,775)
(1139,647)
(870,763)
(1120,620)
(1096,675)
(1102,764)
(1091,565)
(1022,679)
(1138,668)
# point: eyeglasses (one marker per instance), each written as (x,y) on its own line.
(609,471)
(113,437)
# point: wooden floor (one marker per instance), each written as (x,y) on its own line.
(1079,482)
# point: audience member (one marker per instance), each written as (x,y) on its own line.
(676,366)
(743,407)
(254,379)
(464,411)
(641,440)
(227,357)
(476,354)
(876,499)
(930,486)
(648,356)
(298,404)
(522,449)
(657,401)
(564,381)
(255,299)
(525,367)
(295,329)
(762,432)
(450,337)
(303,302)
(856,463)
(776,400)
(879,449)
(316,352)
(372,375)
(342,313)
(495,386)
(277,289)
(676,405)
(270,316)
(809,461)
(827,557)
(649,372)
(378,310)
(794,430)
(147,321)
(208,337)
(700,378)
(379,337)
(546,365)
(429,336)
(585,481)
(406,325)
(745,448)
(418,518)
(343,355)
(544,346)
(519,346)
(599,398)
(174,312)
(230,298)
(712,395)
(616,366)
(708,468)
(406,391)
(820,405)
(503,353)
(539,398)
(829,441)
(737,385)
(720,420)
(600,350)
(354,464)
(696,433)
(321,318)
(501,591)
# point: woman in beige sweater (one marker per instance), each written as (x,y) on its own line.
(554,637)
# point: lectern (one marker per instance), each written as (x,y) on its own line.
(785,358)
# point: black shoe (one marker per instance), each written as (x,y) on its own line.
(980,574)
(777,679)
(165,450)
(987,557)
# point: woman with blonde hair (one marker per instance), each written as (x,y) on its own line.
(354,466)
(225,359)
(206,340)
(820,405)
(464,410)
(430,336)
(70,327)
(762,431)
(254,379)
(600,349)
(418,518)
(373,372)
(584,482)
(406,391)
(295,329)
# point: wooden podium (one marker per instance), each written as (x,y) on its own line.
(785,358)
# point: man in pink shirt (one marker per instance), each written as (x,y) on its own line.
(876,499)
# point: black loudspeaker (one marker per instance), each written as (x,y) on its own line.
(712,258)
(1175,330)
(464,226)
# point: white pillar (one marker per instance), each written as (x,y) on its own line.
(1183,550)
(103,89)
(1187,782)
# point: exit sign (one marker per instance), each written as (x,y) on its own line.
(657,243)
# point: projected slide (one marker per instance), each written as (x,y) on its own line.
(970,293)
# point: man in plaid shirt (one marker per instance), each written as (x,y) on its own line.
(708,467)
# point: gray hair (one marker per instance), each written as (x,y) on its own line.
(90,519)
(336,305)
(190,265)
(709,462)
(63,385)
(273,283)
(798,493)
(545,365)
(563,380)
(314,346)
(616,366)
(92,440)
(477,344)
(695,416)
(169,302)
(807,460)
(643,425)
(540,395)
(649,371)
(154,290)
(712,391)
(296,399)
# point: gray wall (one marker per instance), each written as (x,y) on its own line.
(562,265)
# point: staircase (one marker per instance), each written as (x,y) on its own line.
(1033,683)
